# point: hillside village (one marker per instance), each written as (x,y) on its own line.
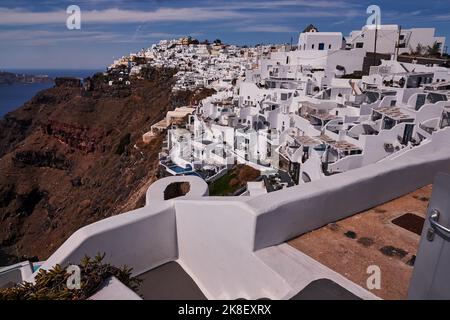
(332,154)
(298,113)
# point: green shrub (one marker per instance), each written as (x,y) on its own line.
(52,284)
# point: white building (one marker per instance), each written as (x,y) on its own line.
(390,35)
(313,40)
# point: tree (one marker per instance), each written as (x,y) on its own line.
(434,50)
(418,51)
(218,41)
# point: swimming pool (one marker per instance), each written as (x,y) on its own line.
(178,169)
(36,267)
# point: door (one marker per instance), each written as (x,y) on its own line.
(431,275)
(407,134)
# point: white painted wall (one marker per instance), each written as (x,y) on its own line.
(311,40)
(142,239)
(351,60)
(388,37)
(285,214)
(374,144)
(215,248)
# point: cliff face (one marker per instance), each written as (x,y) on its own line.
(74,155)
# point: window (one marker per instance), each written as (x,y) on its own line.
(388,123)
(312,47)
(445,122)
(360,45)
(321,46)
(329,46)
(420,101)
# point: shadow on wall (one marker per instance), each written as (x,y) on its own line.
(176,189)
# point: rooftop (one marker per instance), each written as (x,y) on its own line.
(339,145)
(395,113)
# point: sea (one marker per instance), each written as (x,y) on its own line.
(15,95)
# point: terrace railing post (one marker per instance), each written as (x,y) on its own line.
(431,276)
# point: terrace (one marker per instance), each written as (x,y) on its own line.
(343,146)
(386,236)
(395,113)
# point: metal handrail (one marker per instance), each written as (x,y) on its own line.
(442,231)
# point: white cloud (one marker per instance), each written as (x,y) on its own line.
(288,3)
(267,28)
(43,37)
(115,15)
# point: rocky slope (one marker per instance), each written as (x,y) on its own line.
(73,155)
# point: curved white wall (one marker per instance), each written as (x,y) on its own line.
(215,239)
(285,214)
(141,239)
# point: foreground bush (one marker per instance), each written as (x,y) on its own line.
(52,284)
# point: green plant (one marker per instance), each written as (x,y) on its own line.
(418,51)
(52,284)
(234,179)
(434,50)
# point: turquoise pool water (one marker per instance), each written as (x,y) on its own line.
(178,169)
(36,267)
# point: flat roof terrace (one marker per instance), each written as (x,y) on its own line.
(395,113)
(324,116)
(344,146)
(306,140)
(386,236)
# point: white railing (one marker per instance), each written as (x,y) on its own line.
(142,239)
(285,214)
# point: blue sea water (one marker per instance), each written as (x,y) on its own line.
(14,96)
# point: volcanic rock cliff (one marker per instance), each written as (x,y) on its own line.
(74,155)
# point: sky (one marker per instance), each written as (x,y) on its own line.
(33,33)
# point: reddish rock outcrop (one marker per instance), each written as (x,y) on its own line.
(73,155)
